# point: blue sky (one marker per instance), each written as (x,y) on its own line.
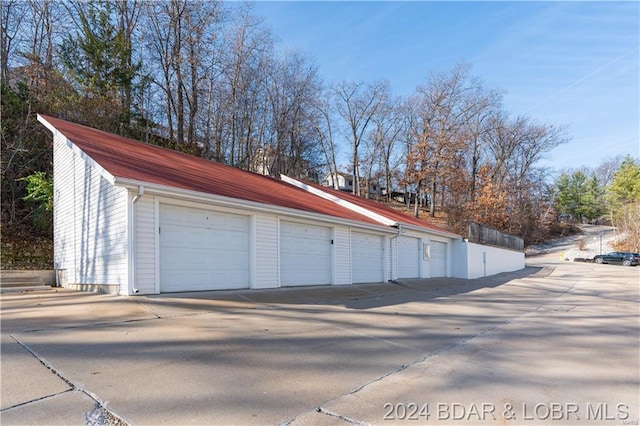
(565,63)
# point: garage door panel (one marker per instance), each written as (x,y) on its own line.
(367,256)
(207,259)
(305,247)
(305,252)
(201,281)
(199,218)
(408,257)
(438,259)
(202,250)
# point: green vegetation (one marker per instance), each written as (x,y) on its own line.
(607,197)
(40,193)
(580,197)
(624,200)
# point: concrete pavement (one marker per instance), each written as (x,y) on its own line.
(557,342)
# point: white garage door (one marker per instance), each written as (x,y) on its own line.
(438,259)
(408,257)
(367,257)
(202,250)
(305,254)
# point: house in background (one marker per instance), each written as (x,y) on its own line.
(345,183)
(133,218)
(264,163)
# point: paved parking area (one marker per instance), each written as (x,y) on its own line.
(556,342)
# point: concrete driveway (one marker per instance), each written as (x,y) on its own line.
(556,342)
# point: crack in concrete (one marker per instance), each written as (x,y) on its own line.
(110,418)
(341,417)
(42,398)
(148,309)
(72,327)
(441,351)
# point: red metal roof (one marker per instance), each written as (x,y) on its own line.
(381,209)
(129,159)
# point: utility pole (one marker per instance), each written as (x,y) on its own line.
(600,252)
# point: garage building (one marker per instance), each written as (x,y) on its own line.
(133,218)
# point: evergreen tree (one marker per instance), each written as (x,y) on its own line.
(592,201)
(98,57)
(571,192)
(625,187)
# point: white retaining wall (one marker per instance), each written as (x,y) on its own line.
(473,260)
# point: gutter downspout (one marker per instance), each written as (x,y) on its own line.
(134,287)
(399,226)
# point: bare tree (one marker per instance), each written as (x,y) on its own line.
(445,107)
(324,133)
(387,127)
(607,169)
(248,52)
(293,87)
(29,31)
(181,37)
(11,25)
(357,103)
(488,104)
(128,13)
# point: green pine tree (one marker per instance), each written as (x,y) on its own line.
(592,200)
(571,190)
(625,186)
(98,58)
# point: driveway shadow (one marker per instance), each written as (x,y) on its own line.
(356,296)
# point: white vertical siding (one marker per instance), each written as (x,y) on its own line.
(100,227)
(63,209)
(393,258)
(90,224)
(342,255)
(387,258)
(425,261)
(145,239)
(266,251)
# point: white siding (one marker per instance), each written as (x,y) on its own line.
(425,262)
(101,228)
(475,260)
(459,259)
(409,258)
(90,224)
(266,251)
(392,258)
(145,238)
(63,209)
(342,256)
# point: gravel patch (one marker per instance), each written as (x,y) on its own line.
(597,240)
